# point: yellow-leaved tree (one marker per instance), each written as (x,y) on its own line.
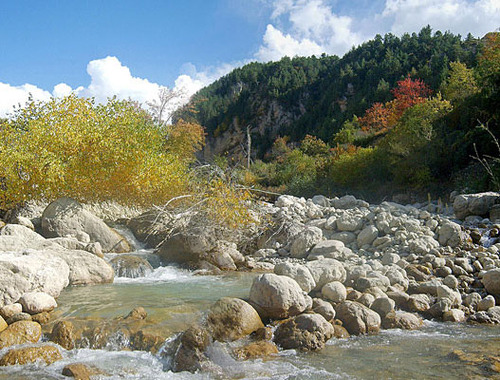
(92,152)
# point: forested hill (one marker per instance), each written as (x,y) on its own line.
(317,95)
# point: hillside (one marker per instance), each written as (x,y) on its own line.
(316,95)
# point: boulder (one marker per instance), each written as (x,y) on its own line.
(401,320)
(152,227)
(190,352)
(333,249)
(63,333)
(298,272)
(19,317)
(306,332)
(254,350)
(450,233)
(231,319)
(325,271)
(367,235)
(9,310)
(145,341)
(324,308)
(3,324)
(474,204)
(37,302)
(189,246)
(454,315)
(66,216)
(491,281)
(22,232)
(130,266)
(25,355)
(357,318)
(304,241)
(383,306)
(19,333)
(492,316)
(334,291)
(80,371)
(486,303)
(278,297)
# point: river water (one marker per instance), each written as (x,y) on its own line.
(174,298)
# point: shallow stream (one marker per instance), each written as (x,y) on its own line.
(174,298)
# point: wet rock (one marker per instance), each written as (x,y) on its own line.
(357,318)
(491,281)
(278,297)
(37,302)
(190,355)
(307,332)
(80,371)
(42,318)
(439,308)
(19,333)
(19,317)
(66,216)
(144,341)
(323,308)
(298,272)
(63,333)
(230,319)
(254,350)
(340,332)
(138,313)
(492,316)
(24,355)
(130,266)
(401,320)
(189,246)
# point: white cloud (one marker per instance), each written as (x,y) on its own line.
(11,96)
(314,29)
(61,90)
(458,16)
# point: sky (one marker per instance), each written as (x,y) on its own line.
(132,48)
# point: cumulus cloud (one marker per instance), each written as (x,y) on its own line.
(458,16)
(11,96)
(314,28)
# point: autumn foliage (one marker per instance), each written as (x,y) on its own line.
(380,117)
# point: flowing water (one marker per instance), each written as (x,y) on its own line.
(174,298)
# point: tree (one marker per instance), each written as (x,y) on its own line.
(460,83)
(488,67)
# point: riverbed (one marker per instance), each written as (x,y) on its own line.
(174,298)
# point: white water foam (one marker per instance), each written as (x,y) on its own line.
(166,274)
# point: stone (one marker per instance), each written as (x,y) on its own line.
(323,308)
(474,204)
(321,200)
(304,241)
(383,306)
(3,324)
(277,297)
(492,316)
(190,353)
(137,313)
(325,271)
(19,333)
(439,308)
(486,303)
(19,317)
(66,216)
(372,279)
(357,318)
(8,311)
(42,318)
(472,299)
(63,333)
(232,319)
(254,350)
(367,235)
(454,296)
(186,247)
(491,281)
(450,281)
(454,315)
(130,266)
(333,249)
(349,223)
(402,320)
(366,299)
(306,332)
(25,355)
(37,302)
(298,272)
(80,371)
(418,303)
(450,233)
(21,232)
(144,341)
(345,202)
(334,291)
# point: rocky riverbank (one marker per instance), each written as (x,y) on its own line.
(336,267)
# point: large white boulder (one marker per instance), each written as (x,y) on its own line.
(304,241)
(491,281)
(67,217)
(298,272)
(37,302)
(450,233)
(474,204)
(278,297)
(325,271)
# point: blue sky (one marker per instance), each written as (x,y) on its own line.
(130,48)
